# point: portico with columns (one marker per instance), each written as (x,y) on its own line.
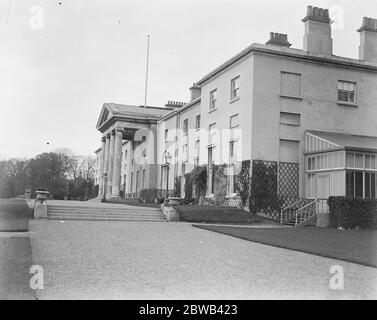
(136,126)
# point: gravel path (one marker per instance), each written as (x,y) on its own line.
(152,260)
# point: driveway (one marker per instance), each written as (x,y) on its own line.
(153,260)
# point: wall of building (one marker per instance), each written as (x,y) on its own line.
(317,105)
(227,108)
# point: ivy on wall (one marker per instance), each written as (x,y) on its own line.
(264,197)
(243,182)
(177,187)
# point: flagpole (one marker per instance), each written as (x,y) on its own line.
(146,75)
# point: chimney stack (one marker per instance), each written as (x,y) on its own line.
(368,40)
(174,104)
(278,39)
(317,38)
(194,92)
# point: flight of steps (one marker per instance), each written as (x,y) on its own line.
(101,213)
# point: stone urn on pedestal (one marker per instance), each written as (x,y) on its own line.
(40,207)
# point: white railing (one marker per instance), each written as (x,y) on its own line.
(306,212)
(284,211)
(302,210)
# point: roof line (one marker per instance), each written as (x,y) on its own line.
(299,54)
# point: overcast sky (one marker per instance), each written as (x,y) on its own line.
(61,60)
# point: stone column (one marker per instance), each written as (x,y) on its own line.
(117,164)
(106,165)
(102,167)
(111,164)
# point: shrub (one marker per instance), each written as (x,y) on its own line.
(188,185)
(349,213)
(264,189)
(242,182)
(199,175)
(220,184)
(15,209)
(177,187)
(149,195)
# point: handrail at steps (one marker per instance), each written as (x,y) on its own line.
(286,208)
(304,207)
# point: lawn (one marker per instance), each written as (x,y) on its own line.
(348,245)
(191,213)
(14,215)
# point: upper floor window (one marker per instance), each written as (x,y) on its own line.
(185,126)
(166,135)
(346,91)
(212,99)
(184,148)
(233,121)
(197,121)
(234,88)
(197,145)
(290,84)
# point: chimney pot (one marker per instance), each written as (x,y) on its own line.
(278,39)
(195,92)
(317,38)
(368,40)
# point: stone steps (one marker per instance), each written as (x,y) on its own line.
(101,213)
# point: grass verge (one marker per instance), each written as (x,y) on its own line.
(348,245)
(200,214)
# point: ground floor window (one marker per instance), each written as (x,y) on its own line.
(231,180)
(361,184)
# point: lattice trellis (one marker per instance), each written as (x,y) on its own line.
(264,188)
(288,182)
(283,186)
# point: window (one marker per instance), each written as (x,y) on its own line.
(197,146)
(197,121)
(143,181)
(234,88)
(131,182)
(196,162)
(354,184)
(185,126)
(211,132)
(232,151)
(125,155)
(370,185)
(233,121)
(184,148)
(183,168)
(354,160)
(212,99)
(166,135)
(370,161)
(290,84)
(231,181)
(292,119)
(346,91)
(137,181)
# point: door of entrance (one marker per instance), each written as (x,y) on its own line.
(323,192)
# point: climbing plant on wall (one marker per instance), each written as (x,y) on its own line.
(264,197)
(243,182)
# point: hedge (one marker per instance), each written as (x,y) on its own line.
(349,213)
(15,209)
(149,195)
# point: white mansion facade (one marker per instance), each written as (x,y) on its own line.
(305,108)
